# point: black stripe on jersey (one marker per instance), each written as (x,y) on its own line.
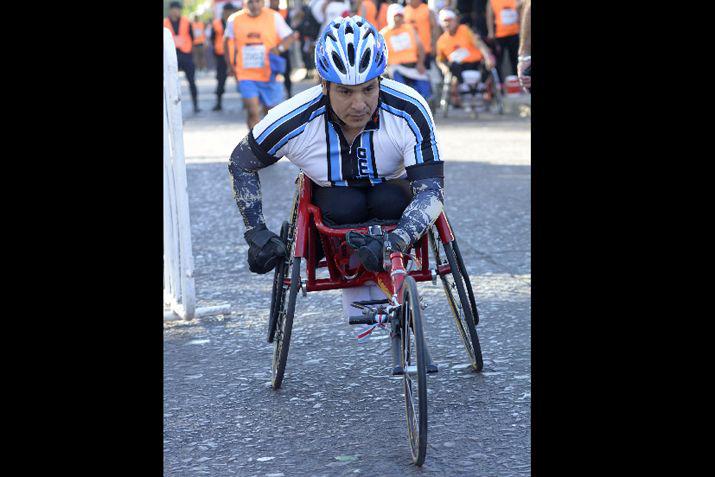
(284,129)
(425,170)
(350,169)
(262,156)
(375,174)
(422,122)
(327,150)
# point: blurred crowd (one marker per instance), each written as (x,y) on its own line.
(265,45)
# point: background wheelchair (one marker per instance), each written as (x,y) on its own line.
(401,312)
(480,91)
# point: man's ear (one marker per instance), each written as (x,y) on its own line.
(324,84)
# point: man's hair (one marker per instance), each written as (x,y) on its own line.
(228,6)
(175,5)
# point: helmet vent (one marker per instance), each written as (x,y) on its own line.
(366,34)
(339,63)
(351,54)
(364,61)
(331,36)
(348,29)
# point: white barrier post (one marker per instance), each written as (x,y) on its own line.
(179,291)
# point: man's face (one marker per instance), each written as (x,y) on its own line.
(174,13)
(354,104)
(399,20)
(452,25)
(254,6)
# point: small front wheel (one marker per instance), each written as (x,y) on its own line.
(413,361)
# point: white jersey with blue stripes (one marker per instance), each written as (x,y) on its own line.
(400,137)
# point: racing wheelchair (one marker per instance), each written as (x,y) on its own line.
(480,90)
(400,312)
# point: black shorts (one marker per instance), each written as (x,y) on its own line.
(357,205)
(457,68)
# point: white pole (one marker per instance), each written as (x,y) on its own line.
(186,259)
(179,289)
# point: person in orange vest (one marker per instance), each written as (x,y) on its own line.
(503,25)
(198,27)
(418,14)
(180,27)
(382,13)
(459,49)
(406,55)
(275,5)
(256,33)
(368,10)
(218,27)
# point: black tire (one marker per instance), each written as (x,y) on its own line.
(444,98)
(497,96)
(463,305)
(279,289)
(413,361)
(284,326)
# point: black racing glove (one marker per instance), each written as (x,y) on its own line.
(374,251)
(265,250)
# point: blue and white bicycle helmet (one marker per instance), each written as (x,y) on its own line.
(350,51)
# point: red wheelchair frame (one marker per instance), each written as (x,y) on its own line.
(310,228)
(401,310)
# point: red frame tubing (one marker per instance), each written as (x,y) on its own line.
(310,228)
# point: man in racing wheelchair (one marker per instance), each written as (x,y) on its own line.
(367,143)
(459,49)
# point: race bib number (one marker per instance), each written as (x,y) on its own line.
(254,56)
(400,42)
(197,32)
(509,16)
(458,55)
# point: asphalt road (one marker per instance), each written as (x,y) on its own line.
(339,412)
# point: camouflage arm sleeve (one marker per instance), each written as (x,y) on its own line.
(427,203)
(245,160)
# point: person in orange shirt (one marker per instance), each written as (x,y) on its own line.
(218,27)
(419,15)
(256,33)
(368,10)
(460,49)
(197,27)
(503,25)
(406,55)
(382,13)
(180,27)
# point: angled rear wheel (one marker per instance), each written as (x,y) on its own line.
(460,297)
(284,327)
